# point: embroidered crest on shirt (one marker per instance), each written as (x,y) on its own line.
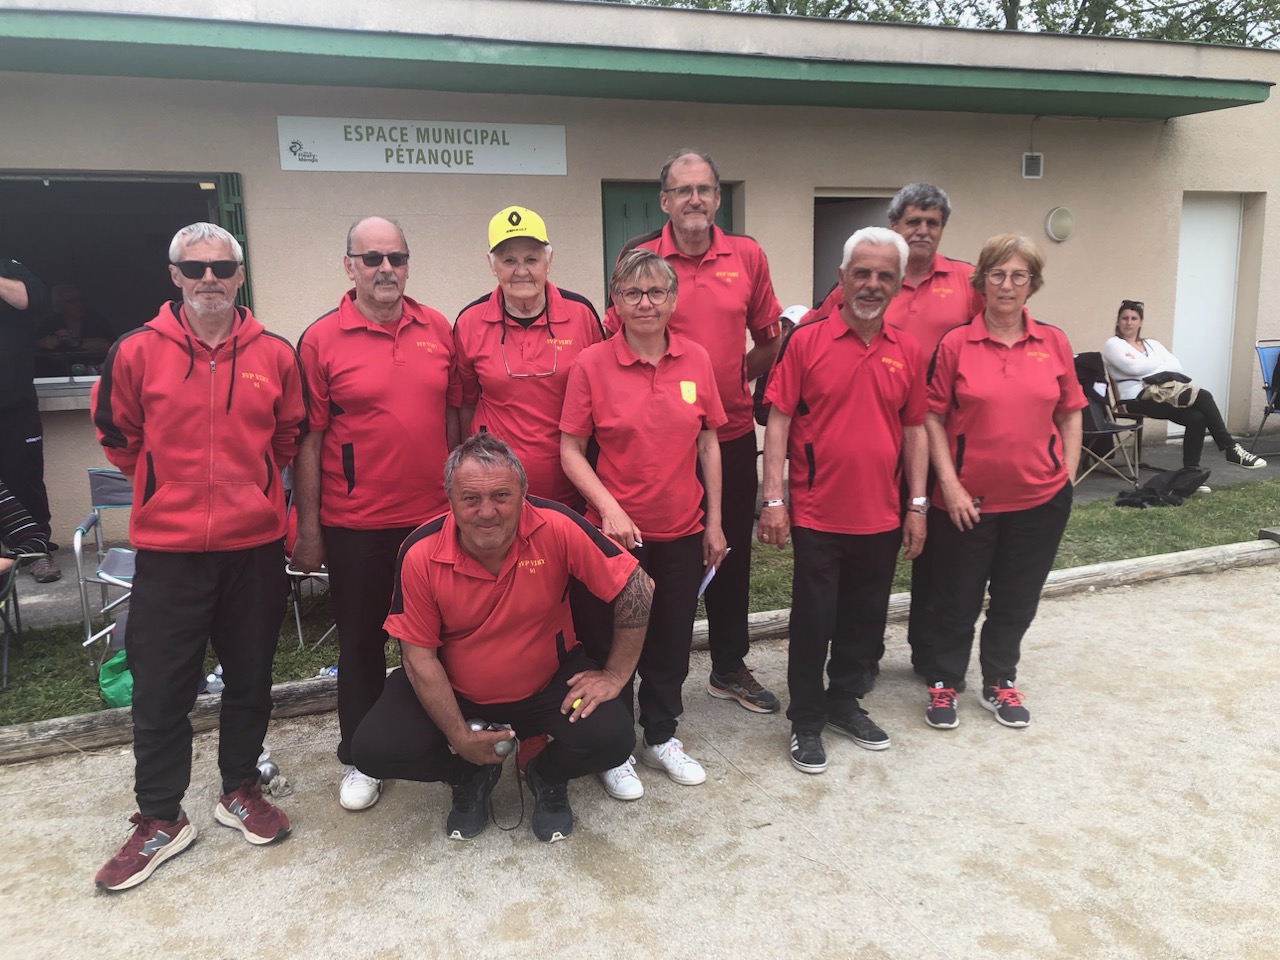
(1038,355)
(531,566)
(689,391)
(728,276)
(893,365)
(431,345)
(258,378)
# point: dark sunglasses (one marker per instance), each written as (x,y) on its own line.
(374,259)
(194,269)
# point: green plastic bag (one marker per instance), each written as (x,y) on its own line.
(116,681)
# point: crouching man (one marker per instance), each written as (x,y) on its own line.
(481,611)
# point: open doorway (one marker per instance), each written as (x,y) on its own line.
(836,215)
(100,243)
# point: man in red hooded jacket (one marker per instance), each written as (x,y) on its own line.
(201,408)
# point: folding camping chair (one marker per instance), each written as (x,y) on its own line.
(10,619)
(296,577)
(111,569)
(1104,438)
(1268,353)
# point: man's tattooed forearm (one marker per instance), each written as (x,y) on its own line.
(631,608)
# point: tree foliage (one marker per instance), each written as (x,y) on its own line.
(1245,23)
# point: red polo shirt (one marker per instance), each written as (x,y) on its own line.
(646,420)
(942,300)
(525,410)
(500,637)
(848,403)
(723,293)
(379,392)
(999,403)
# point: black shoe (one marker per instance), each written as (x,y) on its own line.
(807,754)
(741,685)
(470,813)
(552,816)
(853,722)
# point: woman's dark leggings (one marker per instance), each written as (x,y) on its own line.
(1200,416)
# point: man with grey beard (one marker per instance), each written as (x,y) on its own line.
(201,408)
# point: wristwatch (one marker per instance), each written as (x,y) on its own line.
(919,505)
(775,503)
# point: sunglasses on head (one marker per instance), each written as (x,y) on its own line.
(374,259)
(1131,304)
(194,269)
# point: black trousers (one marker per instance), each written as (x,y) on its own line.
(22,460)
(676,569)
(362,573)
(728,596)
(398,740)
(1013,554)
(181,603)
(1201,416)
(839,602)
(921,584)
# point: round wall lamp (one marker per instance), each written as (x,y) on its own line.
(1060,223)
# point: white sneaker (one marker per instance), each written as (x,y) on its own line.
(621,782)
(670,756)
(358,792)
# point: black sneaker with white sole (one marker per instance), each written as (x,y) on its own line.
(1005,702)
(807,754)
(470,813)
(1242,457)
(552,815)
(853,722)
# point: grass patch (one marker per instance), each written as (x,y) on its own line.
(50,676)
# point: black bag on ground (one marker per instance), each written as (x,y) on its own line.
(1167,489)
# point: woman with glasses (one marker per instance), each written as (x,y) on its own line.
(1004,433)
(515,347)
(1129,358)
(649,398)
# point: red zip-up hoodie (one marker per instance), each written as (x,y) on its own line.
(202,432)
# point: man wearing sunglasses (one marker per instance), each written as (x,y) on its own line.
(201,408)
(383,390)
(726,292)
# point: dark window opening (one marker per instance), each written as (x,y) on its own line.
(100,245)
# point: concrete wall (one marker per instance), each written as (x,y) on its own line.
(1124,181)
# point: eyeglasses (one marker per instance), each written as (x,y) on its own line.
(374,259)
(1019,278)
(1132,305)
(194,269)
(705,191)
(632,296)
(538,375)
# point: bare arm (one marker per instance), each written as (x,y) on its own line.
(431,684)
(760,357)
(465,414)
(775,523)
(714,546)
(630,621)
(14,293)
(614,521)
(1072,430)
(308,550)
(955,498)
(452,427)
(915,456)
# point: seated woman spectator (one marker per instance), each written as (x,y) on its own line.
(649,398)
(1130,358)
(1004,437)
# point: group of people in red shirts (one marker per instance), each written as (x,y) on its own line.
(602,477)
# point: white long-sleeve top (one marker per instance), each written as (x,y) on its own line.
(1127,365)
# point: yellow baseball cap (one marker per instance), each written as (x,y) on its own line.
(516,222)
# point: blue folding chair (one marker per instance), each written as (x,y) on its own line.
(1268,354)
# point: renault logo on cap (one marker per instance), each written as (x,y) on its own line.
(514,218)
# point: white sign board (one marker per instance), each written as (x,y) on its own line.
(420,146)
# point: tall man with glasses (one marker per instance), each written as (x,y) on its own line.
(383,396)
(726,293)
(201,408)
